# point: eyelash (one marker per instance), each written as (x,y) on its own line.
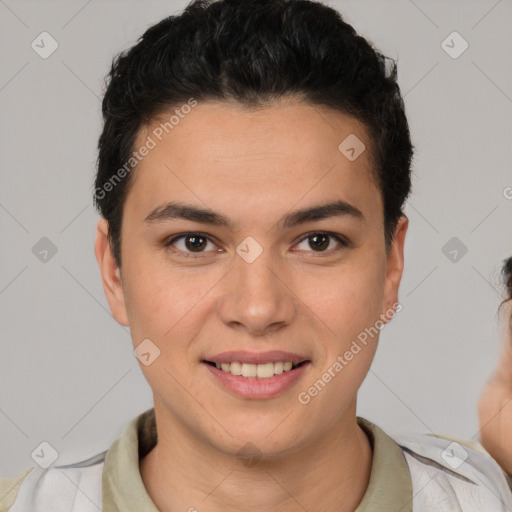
(345,243)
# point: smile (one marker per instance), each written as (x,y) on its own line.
(256,381)
(258,371)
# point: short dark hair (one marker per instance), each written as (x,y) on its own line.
(253,52)
(506,282)
(506,277)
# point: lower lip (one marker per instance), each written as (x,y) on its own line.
(251,387)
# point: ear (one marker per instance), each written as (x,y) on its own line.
(110,273)
(394,269)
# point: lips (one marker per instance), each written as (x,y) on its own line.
(256,375)
(255,380)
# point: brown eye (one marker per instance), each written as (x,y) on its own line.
(320,241)
(195,243)
(189,243)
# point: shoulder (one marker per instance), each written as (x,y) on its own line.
(451,474)
(75,487)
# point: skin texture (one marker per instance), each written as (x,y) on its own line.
(495,404)
(254,167)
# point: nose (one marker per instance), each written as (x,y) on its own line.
(257,297)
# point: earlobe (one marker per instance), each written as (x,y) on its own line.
(110,274)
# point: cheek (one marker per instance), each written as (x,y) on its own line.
(348,299)
(152,299)
(162,301)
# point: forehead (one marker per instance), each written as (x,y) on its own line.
(229,156)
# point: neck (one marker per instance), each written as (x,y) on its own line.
(182,472)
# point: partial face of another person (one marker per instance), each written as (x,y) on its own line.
(253,276)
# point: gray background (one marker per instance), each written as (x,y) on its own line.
(67,372)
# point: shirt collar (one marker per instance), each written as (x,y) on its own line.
(390,485)
(389,488)
(122,485)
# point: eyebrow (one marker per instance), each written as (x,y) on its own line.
(173,210)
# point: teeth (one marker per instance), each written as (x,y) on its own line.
(260,371)
(235,368)
(249,370)
(264,371)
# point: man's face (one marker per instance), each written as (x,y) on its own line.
(260,283)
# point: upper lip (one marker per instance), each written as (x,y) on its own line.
(242,356)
